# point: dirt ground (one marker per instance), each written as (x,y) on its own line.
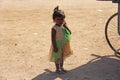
(25,39)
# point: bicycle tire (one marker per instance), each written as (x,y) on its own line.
(116,50)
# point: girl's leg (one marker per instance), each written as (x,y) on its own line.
(58,70)
(57,66)
(61,65)
(61,62)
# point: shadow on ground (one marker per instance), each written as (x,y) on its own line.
(100,68)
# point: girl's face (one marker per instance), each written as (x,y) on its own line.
(59,20)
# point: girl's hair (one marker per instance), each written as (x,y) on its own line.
(58,13)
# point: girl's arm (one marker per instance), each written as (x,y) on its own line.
(53,32)
(65,25)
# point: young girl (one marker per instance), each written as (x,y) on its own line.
(60,38)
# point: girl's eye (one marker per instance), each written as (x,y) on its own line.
(59,19)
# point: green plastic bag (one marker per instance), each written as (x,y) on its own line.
(66,35)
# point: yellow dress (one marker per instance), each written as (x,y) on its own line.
(63,45)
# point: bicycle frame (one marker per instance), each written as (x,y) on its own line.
(119,18)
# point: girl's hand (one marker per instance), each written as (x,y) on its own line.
(55,49)
(65,25)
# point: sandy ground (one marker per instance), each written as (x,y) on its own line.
(25,27)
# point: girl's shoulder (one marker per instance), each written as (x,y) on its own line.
(54,27)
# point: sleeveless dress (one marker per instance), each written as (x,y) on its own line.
(63,37)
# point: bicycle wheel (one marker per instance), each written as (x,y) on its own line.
(111,34)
